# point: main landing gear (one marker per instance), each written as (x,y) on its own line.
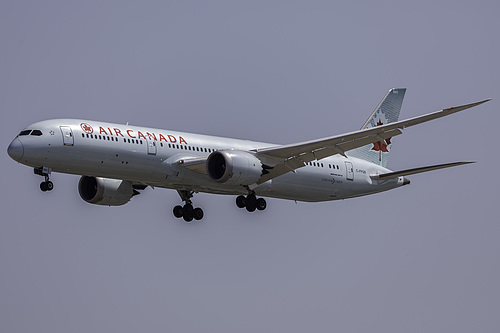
(251,202)
(47,185)
(187,212)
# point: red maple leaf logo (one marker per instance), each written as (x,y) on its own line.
(87,128)
(381,145)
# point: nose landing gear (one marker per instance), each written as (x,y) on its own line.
(47,185)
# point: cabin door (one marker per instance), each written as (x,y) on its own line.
(67,134)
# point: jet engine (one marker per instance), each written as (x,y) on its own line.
(105,191)
(234,167)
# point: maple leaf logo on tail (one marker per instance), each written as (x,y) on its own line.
(385,113)
(381,145)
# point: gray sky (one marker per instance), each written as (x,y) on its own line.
(423,258)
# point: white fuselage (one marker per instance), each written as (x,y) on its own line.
(150,156)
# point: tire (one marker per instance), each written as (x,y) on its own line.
(261,204)
(240,201)
(187,212)
(178,211)
(198,214)
(43,187)
(251,203)
(49,185)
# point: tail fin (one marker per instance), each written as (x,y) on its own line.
(386,112)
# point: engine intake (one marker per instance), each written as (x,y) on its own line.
(105,191)
(234,167)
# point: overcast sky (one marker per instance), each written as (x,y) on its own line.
(423,258)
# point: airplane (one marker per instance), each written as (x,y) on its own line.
(116,161)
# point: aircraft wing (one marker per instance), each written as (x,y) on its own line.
(285,158)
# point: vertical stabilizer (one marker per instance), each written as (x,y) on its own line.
(386,112)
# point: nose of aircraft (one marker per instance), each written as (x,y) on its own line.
(16,149)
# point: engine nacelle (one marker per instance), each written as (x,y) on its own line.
(105,191)
(234,167)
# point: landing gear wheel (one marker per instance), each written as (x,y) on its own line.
(178,211)
(240,201)
(251,202)
(188,212)
(198,214)
(261,204)
(46,186)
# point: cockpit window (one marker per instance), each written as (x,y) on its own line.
(25,132)
(31,132)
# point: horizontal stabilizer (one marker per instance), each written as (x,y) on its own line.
(416,170)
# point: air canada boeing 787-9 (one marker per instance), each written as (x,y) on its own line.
(116,161)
